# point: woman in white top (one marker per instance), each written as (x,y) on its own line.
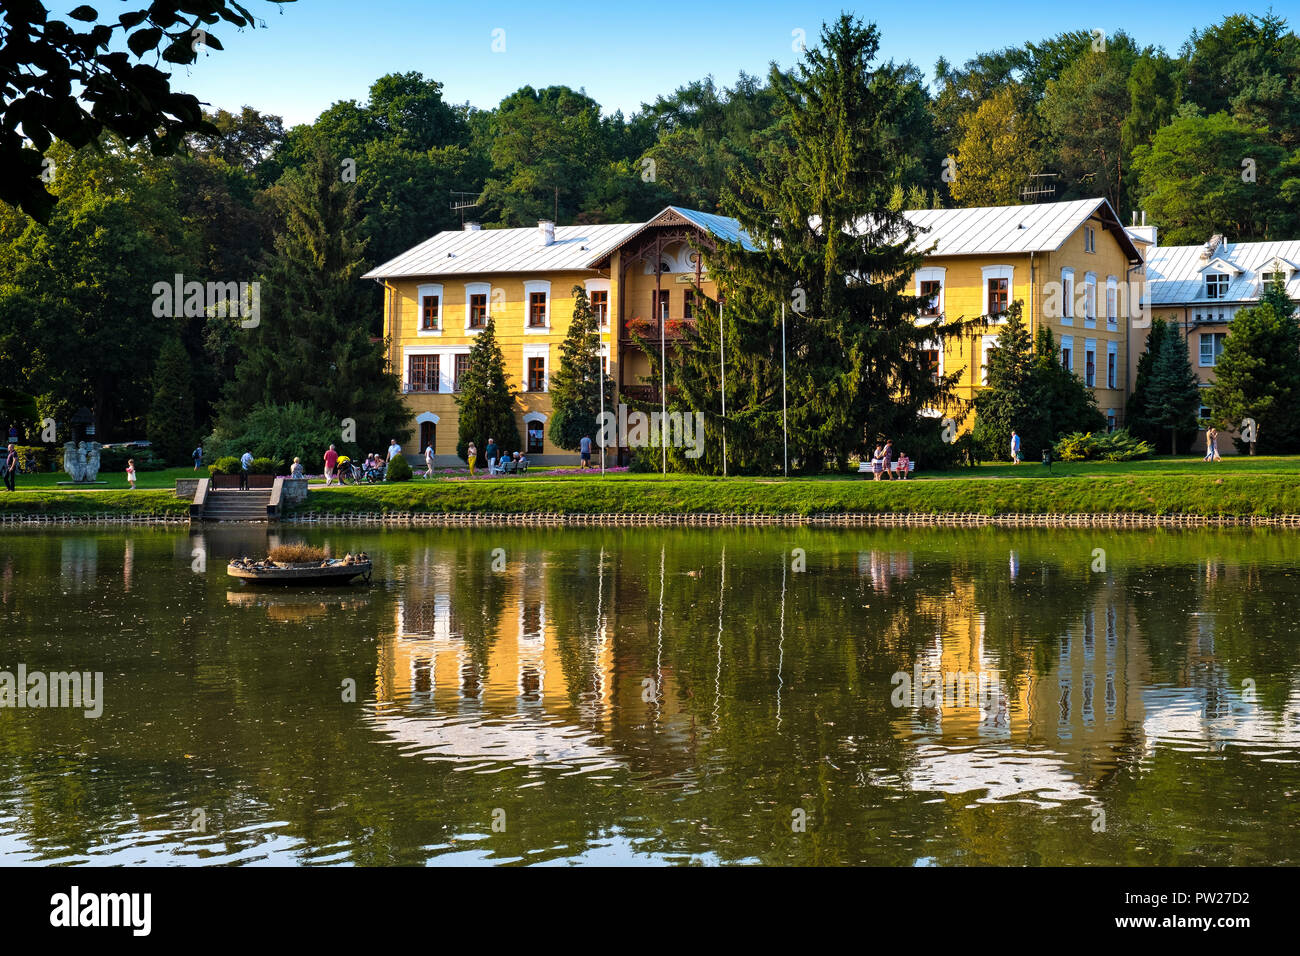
(428,461)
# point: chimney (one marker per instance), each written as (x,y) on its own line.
(547,229)
(473,226)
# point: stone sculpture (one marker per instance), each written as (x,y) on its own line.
(81,462)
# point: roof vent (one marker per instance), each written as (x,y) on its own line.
(547,229)
(473,226)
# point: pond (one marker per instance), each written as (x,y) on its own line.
(779,696)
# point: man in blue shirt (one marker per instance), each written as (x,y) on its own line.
(492,453)
(1015,448)
(245,463)
(584,447)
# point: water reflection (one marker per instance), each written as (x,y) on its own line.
(661,695)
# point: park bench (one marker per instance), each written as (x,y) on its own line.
(865,467)
(513,467)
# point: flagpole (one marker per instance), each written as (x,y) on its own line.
(663,378)
(785,429)
(722,346)
(600,368)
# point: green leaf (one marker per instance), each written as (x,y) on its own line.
(85,13)
(134,19)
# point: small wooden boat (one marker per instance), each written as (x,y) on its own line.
(329,571)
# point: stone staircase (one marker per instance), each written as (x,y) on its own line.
(233,505)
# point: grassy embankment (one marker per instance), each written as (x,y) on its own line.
(1238,487)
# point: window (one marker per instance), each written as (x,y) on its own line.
(536,374)
(1112,302)
(1067,352)
(1110,419)
(1089,239)
(461,368)
(428,436)
(428,313)
(930,363)
(1090,301)
(1067,294)
(478,313)
(537,310)
(1090,363)
(600,306)
(1112,365)
(659,304)
(930,297)
(535,437)
(1211,348)
(688,304)
(422,375)
(990,343)
(999,294)
(1216,285)
(1266,279)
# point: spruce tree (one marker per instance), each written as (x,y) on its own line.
(1173,392)
(485,399)
(575,386)
(826,246)
(1007,404)
(1136,416)
(171,415)
(1063,402)
(312,343)
(1258,374)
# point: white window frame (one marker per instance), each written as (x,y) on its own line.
(429,288)
(1112,348)
(1090,300)
(935,274)
(1090,347)
(1112,302)
(1089,239)
(1112,417)
(934,345)
(1223,294)
(997,272)
(529,418)
(1207,338)
(1067,296)
(601,285)
(446,364)
(530,287)
(990,342)
(1067,343)
(478,288)
(537,351)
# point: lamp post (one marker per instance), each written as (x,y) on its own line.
(722,348)
(785,430)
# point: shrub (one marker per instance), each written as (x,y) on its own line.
(399,469)
(34,458)
(278,432)
(645,461)
(296,554)
(228,465)
(266,466)
(115,459)
(1118,445)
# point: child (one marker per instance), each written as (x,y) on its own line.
(130,472)
(903,465)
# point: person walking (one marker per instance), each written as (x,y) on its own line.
(889,459)
(584,448)
(331,462)
(394,450)
(245,464)
(877,463)
(1015,447)
(130,473)
(11,466)
(198,457)
(492,454)
(428,460)
(471,455)
(1209,444)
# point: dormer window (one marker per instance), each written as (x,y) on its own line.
(1216,285)
(1266,279)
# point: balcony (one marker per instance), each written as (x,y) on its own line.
(419,388)
(673,329)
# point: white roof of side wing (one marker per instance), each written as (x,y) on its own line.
(505,250)
(1007,230)
(1175,274)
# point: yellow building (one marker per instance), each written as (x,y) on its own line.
(440,295)
(1070,263)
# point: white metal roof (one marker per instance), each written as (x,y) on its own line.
(1004,230)
(505,250)
(1176,276)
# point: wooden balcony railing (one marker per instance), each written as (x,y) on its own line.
(649,329)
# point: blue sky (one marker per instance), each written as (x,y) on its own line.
(623,53)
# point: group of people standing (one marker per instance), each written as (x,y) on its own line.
(882,463)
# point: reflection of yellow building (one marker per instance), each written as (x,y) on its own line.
(519,665)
